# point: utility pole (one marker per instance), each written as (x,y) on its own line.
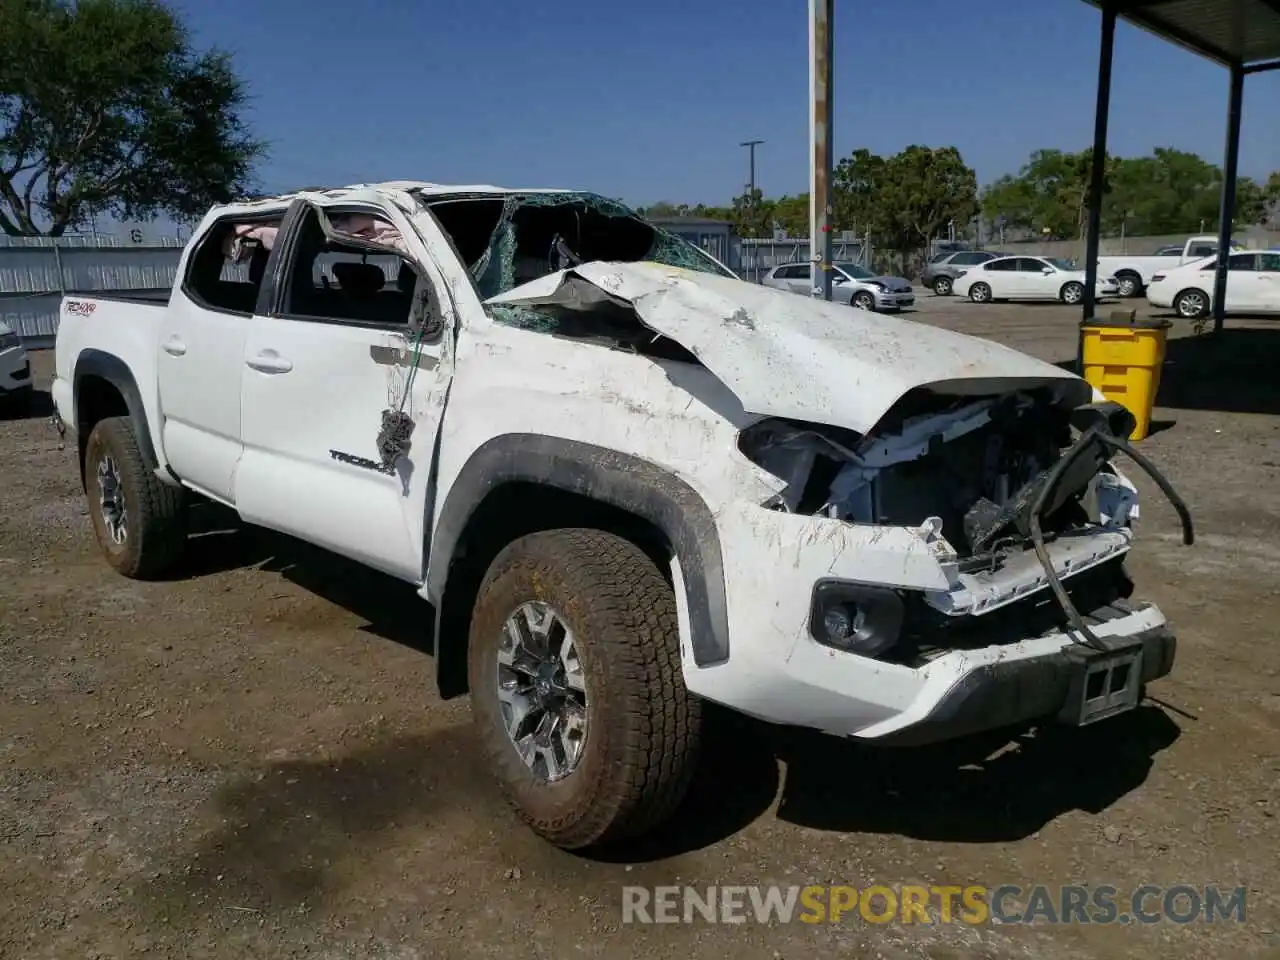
(821,51)
(751,183)
(751,149)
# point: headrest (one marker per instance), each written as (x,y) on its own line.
(406,278)
(359,278)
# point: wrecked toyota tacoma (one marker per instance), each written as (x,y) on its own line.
(627,482)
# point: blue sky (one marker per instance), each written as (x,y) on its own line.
(649,101)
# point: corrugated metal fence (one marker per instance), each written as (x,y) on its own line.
(752,259)
(35,272)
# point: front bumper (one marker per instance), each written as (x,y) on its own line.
(778,672)
(1056,686)
(894,300)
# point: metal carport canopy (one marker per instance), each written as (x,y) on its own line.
(1243,36)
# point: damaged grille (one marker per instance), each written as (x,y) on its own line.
(1101,593)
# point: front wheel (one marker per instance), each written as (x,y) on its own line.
(942,286)
(139,522)
(576,687)
(1072,292)
(864,301)
(980,293)
(1191,304)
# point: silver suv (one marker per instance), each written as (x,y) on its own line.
(941,271)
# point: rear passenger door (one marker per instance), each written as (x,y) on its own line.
(337,350)
(201,349)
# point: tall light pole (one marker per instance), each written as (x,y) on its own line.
(821,52)
(751,183)
(751,150)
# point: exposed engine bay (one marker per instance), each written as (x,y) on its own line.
(959,464)
(993,480)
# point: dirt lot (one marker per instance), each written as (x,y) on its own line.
(251,761)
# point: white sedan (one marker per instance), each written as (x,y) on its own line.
(1253,285)
(1028,278)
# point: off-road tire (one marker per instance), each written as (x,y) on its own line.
(980,293)
(642,724)
(1072,293)
(942,286)
(156,531)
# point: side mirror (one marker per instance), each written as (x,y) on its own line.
(1047,270)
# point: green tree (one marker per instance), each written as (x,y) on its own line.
(855,182)
(106,107)
(791,213)
(752,214)
(922,190)
(1049,194)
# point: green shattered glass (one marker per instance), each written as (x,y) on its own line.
(494,271)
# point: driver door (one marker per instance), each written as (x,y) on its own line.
(354,336)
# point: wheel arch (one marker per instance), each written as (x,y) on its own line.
(519,484)
(104,386)
(1124,272)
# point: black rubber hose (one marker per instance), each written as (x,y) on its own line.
(1184,515)
(1051,481)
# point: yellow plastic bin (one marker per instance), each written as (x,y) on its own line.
(1123,356)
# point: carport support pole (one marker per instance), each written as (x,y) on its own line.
(1097,172)
(821,50)
(1227,209)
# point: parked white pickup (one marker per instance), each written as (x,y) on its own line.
(627,481)
(1134,273)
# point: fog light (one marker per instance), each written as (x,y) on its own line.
(855,617)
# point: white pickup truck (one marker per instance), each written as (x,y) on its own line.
(626,481)
(1134,273)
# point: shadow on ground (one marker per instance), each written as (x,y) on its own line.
(296,832)
(220,541)
(995,788)
(1232,372)
(36,405)
(984,789)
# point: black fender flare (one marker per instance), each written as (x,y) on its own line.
(98,363)
(617,479)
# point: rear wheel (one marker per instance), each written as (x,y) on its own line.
(980,293)
(942,286)
(139,522)
(576,688)
(1128,285)
(1191,304)
(1072,292)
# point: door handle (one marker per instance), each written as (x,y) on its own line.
(268,361)
(175,347)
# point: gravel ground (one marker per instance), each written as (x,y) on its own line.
(250,760)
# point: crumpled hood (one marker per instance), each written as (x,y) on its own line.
(786,355)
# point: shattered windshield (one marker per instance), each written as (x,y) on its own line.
(511,239)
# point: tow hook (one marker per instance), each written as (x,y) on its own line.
(55,420)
